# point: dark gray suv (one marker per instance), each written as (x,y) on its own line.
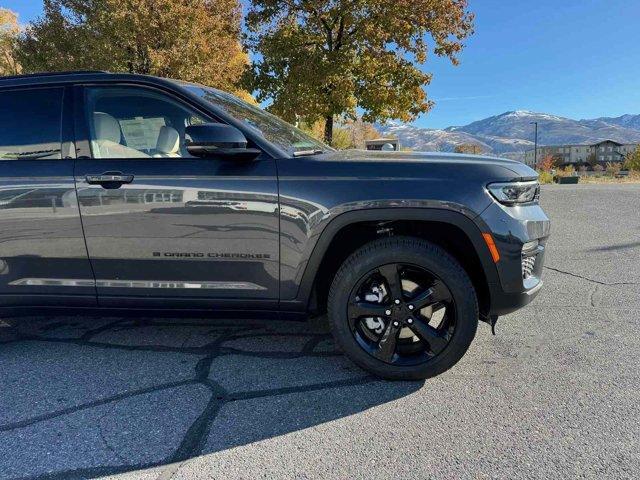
(130,193)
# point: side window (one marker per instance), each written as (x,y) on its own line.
(30,124)
(134,122)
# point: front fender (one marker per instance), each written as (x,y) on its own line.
(449,213)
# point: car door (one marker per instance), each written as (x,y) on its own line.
(43,258)
(164,229)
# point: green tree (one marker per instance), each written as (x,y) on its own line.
(322,59)
(196,40)
(632,160)
(9,30)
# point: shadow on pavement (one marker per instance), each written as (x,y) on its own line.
(86,396)
(616,247)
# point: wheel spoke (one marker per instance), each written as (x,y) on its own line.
(436,293)
(442,292)
(437,306)
(387,344)
(366,309)
(391,274)
(436,339)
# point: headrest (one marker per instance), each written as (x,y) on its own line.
(106,127)
(168,140)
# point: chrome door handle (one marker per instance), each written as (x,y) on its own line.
(109,178)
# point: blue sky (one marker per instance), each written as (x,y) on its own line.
(574,58)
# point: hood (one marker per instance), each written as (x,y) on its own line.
(519,169)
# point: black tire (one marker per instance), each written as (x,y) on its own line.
(424,255)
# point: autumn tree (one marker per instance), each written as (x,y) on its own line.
(195,40)
(558,160)
(546,164)
(9,30)
(362,131)
(471,148)
(323,59)
(347,133)
(632,160)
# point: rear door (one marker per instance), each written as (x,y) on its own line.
(43,258)
(164,229)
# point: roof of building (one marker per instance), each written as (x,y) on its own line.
(581,145)
(382,140)
(607,141)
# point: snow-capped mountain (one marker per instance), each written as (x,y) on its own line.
(430,140)
(511,133)
(627,121)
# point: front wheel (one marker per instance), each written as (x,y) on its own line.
(403,309)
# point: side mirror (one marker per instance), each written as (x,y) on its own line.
(218,140)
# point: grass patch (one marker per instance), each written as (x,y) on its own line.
(634,177)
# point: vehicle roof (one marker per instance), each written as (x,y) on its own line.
(56,78)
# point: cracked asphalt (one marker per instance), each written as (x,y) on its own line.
(555,394)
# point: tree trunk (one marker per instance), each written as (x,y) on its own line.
(328,129)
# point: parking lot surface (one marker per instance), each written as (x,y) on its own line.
(556,394)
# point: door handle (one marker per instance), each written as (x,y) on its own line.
(109,179)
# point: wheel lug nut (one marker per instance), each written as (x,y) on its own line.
(387,312)
(409,321)
(396,324)
(397,302)
(410,307)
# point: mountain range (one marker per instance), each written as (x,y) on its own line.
(510,134)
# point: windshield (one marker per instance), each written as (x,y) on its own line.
(272,128)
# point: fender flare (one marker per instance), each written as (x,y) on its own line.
(472,228)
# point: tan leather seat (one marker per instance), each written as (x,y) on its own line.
(168,144)
(107,141)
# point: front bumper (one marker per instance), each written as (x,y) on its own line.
(503,303)
(519,276)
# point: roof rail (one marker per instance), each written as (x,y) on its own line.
(52,74)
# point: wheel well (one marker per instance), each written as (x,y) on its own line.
(353,236)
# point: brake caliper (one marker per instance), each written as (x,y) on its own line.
(376,295)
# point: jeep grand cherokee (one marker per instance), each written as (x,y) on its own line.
(130,193)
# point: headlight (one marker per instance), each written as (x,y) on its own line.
(512,193)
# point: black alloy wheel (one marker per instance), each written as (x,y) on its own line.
(405,333)
(403,308)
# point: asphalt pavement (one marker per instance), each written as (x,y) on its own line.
(556,394)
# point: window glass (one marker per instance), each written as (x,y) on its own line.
(134,122)
(142,133)
(275,130)
(30,124)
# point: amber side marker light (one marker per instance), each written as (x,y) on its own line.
(495,254)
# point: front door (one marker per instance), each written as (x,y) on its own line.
(43,259)
(164,229)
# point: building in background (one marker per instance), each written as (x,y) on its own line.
(389,144)
(601,152)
